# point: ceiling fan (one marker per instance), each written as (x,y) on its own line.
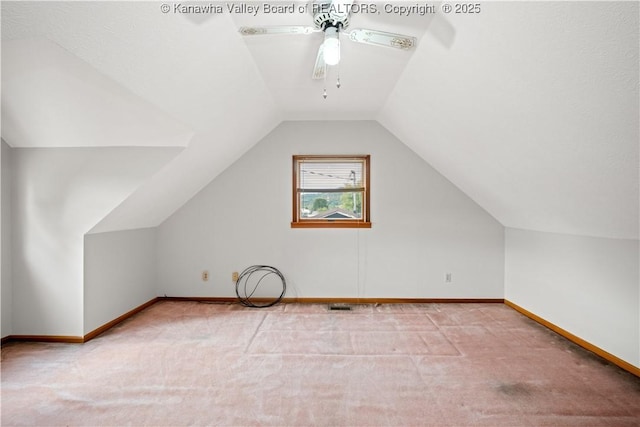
(331,17)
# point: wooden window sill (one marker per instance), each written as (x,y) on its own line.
(331,224)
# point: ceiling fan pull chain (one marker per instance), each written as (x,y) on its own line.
(338,82)
(324,94)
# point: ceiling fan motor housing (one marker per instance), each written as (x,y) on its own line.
(327,13)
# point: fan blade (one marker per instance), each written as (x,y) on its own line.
(380,38)
(320,68)
(280,29)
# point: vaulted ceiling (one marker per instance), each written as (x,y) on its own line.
(531,108)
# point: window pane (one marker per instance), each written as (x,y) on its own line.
(335,205)
(331,191)
(315,175)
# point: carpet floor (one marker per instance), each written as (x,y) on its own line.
(189,363)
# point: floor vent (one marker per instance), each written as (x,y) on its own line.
(340,307)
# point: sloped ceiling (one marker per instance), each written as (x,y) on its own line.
(73,105)
(533,112)
(200,76)
(530,108)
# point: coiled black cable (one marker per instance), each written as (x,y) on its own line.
(243,283)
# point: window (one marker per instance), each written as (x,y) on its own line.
(331,192)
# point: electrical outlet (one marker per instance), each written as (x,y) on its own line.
(234,276)
(205,276)
(448,278)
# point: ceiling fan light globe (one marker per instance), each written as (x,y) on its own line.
(331,46)
(332,51)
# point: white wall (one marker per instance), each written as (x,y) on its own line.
(58,195)
(119,274)
(586,285)
(423,226)
(5,296)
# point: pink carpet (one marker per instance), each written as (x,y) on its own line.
(187,363)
